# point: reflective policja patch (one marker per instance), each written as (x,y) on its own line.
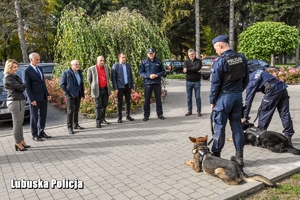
(257,75)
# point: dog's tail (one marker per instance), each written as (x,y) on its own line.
(293,150)
(256,177)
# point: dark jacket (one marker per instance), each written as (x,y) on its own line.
(14,87)
(118,76)
(258,80)
(36,89)
(192,68)
(218,85)
(69,84)
(149,67)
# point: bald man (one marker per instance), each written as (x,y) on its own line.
(98,79)
(71,83)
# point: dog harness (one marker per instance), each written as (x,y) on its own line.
(202,153)
(257,132)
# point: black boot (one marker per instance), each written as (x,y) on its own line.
(239,158)
(217,154)
(289,139)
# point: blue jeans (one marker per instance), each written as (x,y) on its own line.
(228,106)
(189,93)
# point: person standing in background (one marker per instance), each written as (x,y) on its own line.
(151,70)
(71,83)
(38,97)
(192,68)
(122,80)
(15,101)
(98,79)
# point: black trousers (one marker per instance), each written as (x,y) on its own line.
(124,92)
(38,116)
(100,104)
(157,93)
(73,105)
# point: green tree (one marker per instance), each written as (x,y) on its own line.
(263,39)
(37,22)
(82,38)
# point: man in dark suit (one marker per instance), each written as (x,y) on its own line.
(38,97)
(123,85)
(71,83)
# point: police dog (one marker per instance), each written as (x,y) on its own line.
(274,141)
(229,171)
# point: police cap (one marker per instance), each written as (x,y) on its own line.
(220,38)
(151,50)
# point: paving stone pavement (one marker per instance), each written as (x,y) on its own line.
(135,160)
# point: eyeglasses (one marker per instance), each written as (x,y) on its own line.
(76,64)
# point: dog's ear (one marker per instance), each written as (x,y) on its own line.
(193,139)
(205,138)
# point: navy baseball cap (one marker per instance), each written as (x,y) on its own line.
(151,50)
(220,38)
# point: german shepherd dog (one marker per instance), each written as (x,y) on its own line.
(229,171)
(274,141)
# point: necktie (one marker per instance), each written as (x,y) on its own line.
(37,70)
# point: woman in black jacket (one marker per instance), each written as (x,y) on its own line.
(15,101)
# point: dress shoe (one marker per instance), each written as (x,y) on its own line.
(129,118)
(98,125)
(26,146)
(161,117)
(105,122)
(188,114)
(37,139)
(44,135)
(120,121)
(18,149)
(78,127)
(71,131)
(199,114)
(146,119)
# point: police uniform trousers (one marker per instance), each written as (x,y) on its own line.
(228,106)
(157,93)
(269,103)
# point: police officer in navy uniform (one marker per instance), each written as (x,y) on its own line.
(276,96)
(229,78)
(151,70)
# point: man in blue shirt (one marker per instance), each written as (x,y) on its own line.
(71,83)
(122,80)
(229,78)
(151,70)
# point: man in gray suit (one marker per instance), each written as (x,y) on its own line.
(98,79)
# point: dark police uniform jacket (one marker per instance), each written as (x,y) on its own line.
(149,67)
(219,69)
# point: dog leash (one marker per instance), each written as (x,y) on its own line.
(258,113)
(212,128)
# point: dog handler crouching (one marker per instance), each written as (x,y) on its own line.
(229,78)
(276,96)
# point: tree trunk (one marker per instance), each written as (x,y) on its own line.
(272,60)
(231,25)
(197,25)
(21,31)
